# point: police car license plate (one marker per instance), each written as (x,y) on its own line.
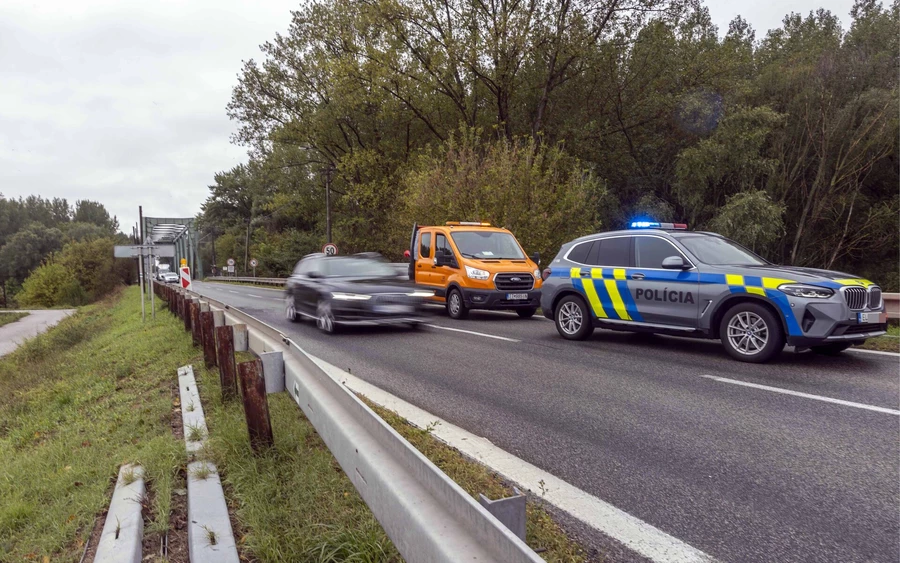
(516,296)
(393,309)
(871,317)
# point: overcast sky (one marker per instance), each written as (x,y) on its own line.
(123,102)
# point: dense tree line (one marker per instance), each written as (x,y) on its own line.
(61,253)
(561,118)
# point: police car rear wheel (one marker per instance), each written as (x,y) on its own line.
(751,333)
(572,319)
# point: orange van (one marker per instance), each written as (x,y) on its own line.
(474,266)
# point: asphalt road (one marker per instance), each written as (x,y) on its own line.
(742,473)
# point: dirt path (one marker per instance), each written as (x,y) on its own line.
(36,322)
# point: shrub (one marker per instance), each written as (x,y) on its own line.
(50,285)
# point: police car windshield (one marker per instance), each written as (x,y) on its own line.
(356,268)
(487,245)
(717,251)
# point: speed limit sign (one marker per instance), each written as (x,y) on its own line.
(231,261)
(254,263)
(330,249)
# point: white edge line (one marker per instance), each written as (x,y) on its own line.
(637,535)
(804,395)
(484,334)
(879,352)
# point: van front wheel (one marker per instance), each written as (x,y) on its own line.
(456,307)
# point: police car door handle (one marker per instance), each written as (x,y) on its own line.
(585,274)
(637,276)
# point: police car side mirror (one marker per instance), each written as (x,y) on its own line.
(674,263)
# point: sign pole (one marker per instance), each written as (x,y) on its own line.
(141,268)
(150,289)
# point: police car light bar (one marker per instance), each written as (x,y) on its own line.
(467,223)
(657,225)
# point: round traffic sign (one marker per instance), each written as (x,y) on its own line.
(231,261)
(253,263)
(330,249)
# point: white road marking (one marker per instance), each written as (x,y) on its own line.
(804,395)
(879,352)
(231,291)
(473,332)
(257,296)
(635,534)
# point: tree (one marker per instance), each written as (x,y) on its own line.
(752,219)
(26,249)
(87,211)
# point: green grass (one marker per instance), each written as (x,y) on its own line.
(887,343)
(6,318)
(91,394)
(294,503)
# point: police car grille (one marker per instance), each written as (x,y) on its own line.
(874,297)
(514,282)
(856,298)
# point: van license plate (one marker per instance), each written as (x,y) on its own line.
(516,296)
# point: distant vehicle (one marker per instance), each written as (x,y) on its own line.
(170,277)
(660,277)
(472,265)
(353,290)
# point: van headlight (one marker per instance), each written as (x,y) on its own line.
(536,274)
(477,274)
(349,296)
(806,291)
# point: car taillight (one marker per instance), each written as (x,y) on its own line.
(545,274)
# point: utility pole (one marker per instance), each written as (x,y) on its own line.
(328,172)
(141,272)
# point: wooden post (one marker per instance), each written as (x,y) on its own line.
(195,321)
(186,312)
(225,359)
(208,338)
(256,405)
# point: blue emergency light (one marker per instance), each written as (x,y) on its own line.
(658,225)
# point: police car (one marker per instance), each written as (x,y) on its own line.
(662,278)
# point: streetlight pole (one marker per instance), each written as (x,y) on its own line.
(328,172)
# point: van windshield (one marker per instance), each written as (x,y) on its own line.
(489,245)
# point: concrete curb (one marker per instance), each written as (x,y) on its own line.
(123,531)
(210,537)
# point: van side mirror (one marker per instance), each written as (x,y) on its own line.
(536,258)
(674,263)
(441,258)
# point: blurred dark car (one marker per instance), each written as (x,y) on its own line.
(361,289)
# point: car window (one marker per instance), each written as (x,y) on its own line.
(356,268)
(614,252)
(440,243)
(300,268)
(649,252)
(425,245)
(719,251)
(581,251)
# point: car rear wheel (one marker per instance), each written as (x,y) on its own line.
(456,307)
(325,318)
(526,313)
(573,319)
(830,349)
(751,333)
(290,311)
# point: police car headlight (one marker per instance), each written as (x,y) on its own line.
(477,274)
(807,291)
(349,296)
(536,274)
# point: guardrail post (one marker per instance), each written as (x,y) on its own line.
(186,311)
(225,359)
(241,338)
(194,311)
(256,405)
(208,338)
(510,511)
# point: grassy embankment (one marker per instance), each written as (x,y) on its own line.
(6,318)
(887,343)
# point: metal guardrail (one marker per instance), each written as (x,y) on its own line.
(428,516)
(892,305)
(263,281)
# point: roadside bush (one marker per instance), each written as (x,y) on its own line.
(51,285)
(92,264)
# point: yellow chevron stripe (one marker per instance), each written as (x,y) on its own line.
(773,283)
(619,274)
(597,273)
(756,290)
(616,299)
(591,293)
(855,281)
(733,279)
(575,273)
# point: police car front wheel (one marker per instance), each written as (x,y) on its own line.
(751,333)
(573,321)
